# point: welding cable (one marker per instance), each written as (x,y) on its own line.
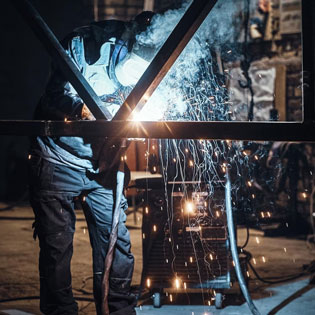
(268,280)
(112,241)
(233,246)
(280,278)
(247,238)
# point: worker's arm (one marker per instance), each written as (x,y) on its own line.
(60,100)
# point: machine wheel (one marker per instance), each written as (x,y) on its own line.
(156,299)
(218,300)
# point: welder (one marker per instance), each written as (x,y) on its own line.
(66,169)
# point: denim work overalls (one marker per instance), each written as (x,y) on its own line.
(61,170)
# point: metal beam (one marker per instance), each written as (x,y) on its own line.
(59,55)
(256,131)
(308,44)
(166,57)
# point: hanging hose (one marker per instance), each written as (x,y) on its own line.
(233,246)
(112,242)
(245,63)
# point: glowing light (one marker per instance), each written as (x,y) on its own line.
(153,147)
(174,160)
(177,283)
(285,250)
(268,214)
(148,282)
(256,157)
(304,194)
(263,259)
(146,210)
(249,183)
(154,228)
(143,236)
(190,259)
(211,257)
(189,207)
(191,163)
(254,261)
(217,213)
(257,240)
(253,196)
(185,285)
(247,273)
(233,263)
(83,198)
(171,298)
(84,230)
(66,119)
(166,260)
(154,168)
(262,214)
(186,150)
(29,156)
(209,302)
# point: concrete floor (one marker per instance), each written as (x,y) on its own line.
(274,257)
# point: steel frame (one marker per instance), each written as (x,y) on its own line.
(260,131)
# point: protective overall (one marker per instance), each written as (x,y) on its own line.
(65,168)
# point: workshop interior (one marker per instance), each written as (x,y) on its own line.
(220,149)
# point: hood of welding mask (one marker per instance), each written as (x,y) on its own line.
(130,69)
(143,20)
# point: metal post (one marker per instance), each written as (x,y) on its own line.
(308,31)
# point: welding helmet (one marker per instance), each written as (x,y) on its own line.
(129,70)
(143,20)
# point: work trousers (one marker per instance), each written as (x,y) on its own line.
(53,190)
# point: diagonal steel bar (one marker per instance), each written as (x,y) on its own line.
(165,58)
(56,51)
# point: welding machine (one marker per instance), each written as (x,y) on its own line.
(185,241)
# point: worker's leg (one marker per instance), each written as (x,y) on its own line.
(52,201)
(121,272)
(98,208)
